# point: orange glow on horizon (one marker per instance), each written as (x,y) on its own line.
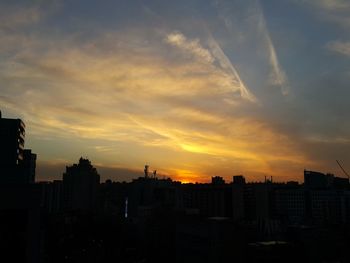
(188,176)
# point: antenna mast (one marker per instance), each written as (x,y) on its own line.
(341,167)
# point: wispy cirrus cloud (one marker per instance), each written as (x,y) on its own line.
(250,26)
(339,47)
(336,11)
(212,54)
(13,17)
(277,75)
(192,46)
(226,65)
(136,98)
(330,5)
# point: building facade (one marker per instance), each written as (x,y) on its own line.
(80,186)
(17,165)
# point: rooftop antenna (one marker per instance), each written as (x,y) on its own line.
(146,171)
(341,167)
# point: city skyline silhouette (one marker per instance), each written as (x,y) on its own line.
(207,131)
(81,219)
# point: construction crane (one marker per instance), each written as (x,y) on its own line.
(341,167)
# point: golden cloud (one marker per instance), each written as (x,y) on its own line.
(139,95)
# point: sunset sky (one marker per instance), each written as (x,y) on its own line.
(192,88)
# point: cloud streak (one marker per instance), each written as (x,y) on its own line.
(232,73)
(247,27)
(336,11)
(15,17)
(210,56)
(193,46)
(339,47)
(277,76)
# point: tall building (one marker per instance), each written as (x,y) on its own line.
(21,231)
(12,134)
(290,204)
(21,223)
(238,187)
(28,166)
(17,165)
(217,180)
(238,179)
(80,186)
(317,180)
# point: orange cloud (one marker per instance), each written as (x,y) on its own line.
(182,115)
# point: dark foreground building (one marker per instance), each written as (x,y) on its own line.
(21,223)
(21,217)
(17,165)
(80,186)
(12,134)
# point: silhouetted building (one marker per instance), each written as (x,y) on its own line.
(238,188)
(217,180)
(113,196)
(21,226)
(12,135)
(205,240)
(80,185)
(290,204)
(238,179)
(148,194)
(317,180)
(341,183)
(207,200)
(52,196)
(21,233)
(28,166)
(322,206)
(326,198)
(257,201)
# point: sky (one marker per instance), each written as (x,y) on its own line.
(194,88)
